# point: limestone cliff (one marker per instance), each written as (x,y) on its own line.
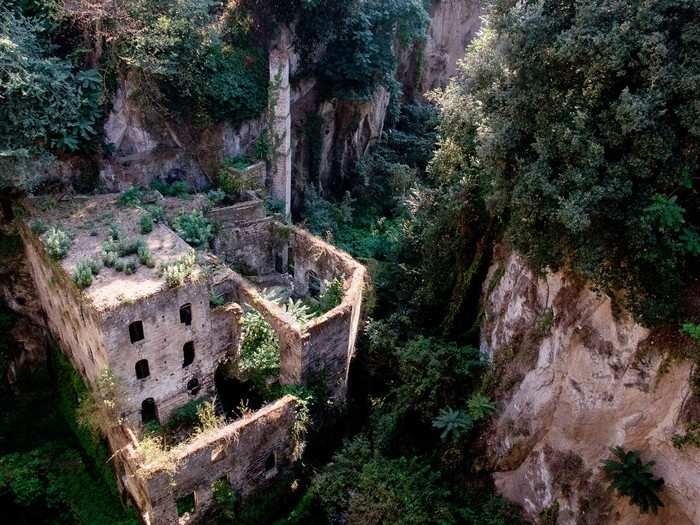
(430,65)
(144,145)
(574,377)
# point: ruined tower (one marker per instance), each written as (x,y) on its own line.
(281,121)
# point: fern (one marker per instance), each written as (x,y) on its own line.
(453,423)
(630,477)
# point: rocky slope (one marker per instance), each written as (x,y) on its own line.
(574,377)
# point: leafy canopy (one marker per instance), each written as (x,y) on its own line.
(580,120)
(48,104)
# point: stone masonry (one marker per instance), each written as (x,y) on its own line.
(163,344)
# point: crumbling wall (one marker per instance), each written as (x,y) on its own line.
(69,315)
(237,452)
(226,329)
(331,336)
(248,249)
(163,343)
(237,214)
(321,350)
(291,339)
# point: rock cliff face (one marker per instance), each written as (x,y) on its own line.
(453,25)
(574,377)
(147,146)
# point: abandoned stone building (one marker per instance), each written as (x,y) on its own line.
(164,343)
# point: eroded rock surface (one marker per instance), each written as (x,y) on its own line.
(571,383)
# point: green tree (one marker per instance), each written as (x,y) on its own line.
(47,103)
(582,116)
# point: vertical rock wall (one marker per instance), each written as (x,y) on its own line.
(575,377)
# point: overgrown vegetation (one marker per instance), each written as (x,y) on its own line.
(604,179)
(194,228)
(49,103)
(57,242)
(175,272)
(49,478)
(260,351)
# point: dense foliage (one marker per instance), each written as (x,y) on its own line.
(422,392)
(583,118)
(48,103)
(190,60)
(360,54)
(53,470)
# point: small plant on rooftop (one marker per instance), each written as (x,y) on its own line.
(194,228)
(38,227)
(115,232)
(130,267)
(109,259)
(128,247)
(157,212)
(131,197)
(82,276)
(145,256)
(146,223)
(57,242)
(175,272)
(629,476)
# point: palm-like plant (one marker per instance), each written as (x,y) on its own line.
(453,423)
(480,407)
(632,478)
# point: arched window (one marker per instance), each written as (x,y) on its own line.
(142,371)
(187,354)
(136,331)
(186,314)
(193,386)
(148,410)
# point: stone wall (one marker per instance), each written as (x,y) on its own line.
(238,214)
(324,347)
(237,453)
(70,318)
(248,247)
(332,336)
(292,340)
(164,339)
